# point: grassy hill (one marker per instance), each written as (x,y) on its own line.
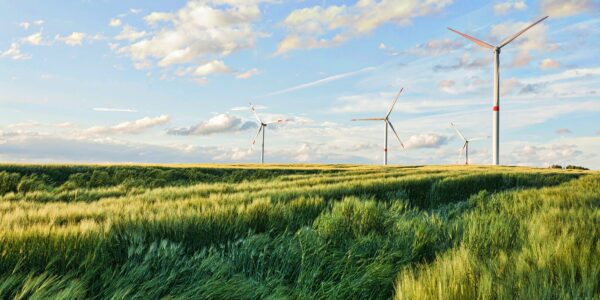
(301,231)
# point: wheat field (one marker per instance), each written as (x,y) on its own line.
(298,231)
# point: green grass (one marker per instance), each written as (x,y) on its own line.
(301,231)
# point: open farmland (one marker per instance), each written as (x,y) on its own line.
(301,231)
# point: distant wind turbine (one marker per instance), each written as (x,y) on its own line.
(466,144)
(388,123)
(262,127)
(496,107)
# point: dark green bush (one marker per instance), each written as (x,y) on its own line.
(571,167)
(31,183)
(9,182)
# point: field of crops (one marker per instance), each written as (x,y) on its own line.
(302,231)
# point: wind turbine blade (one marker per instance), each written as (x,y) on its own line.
(396,134)
(255,114)
(393,103)
(458,131)
(472,39)
(276,121)
(510,39)
(260,128)
(479,138)
(370,119)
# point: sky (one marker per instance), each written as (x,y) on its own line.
(102,81)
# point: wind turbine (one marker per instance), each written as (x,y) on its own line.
(466,144)
(261,127)
(388,123)
(496,107)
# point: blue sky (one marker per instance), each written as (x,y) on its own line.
(170,81)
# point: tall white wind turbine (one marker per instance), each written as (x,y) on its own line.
(465,146)
(496,106)
(388,123)
(261,128)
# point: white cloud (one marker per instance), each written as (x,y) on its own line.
(130,33)
(156,17)
(510,85)
(549,64)
(564,8)
(305,153)
(436,47)
(130,127)
(447,86)
(464,62)
(238,154)
(218,124)
(545,155)
(311,27)
(14,52)
(35,39)
(115,22)
(425,140)
(23,125)
(44,148)
(135,11)
(215,66)
(74,39)
(504,7)
(247,74)
(534,39)
(561,131)
(200,31)
(25,25)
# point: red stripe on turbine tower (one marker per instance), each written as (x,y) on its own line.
(384,149)
(496,108)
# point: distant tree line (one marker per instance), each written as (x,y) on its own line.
(569,167)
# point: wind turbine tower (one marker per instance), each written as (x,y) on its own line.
(388,123)
(496,106)
(466,144)
(261,128)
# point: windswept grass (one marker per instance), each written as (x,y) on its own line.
(309,231)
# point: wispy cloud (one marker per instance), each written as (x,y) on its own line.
(242,108)
(320,81)
(110,109)
(129,127)
(218,124)
(561,131)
